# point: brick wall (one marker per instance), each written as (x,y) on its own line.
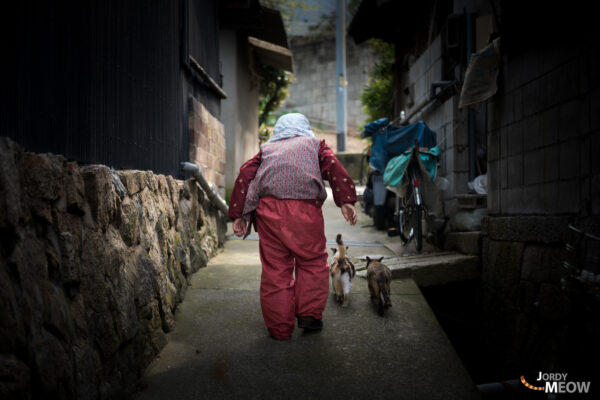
(207,144)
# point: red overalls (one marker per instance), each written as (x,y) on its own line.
(295,273)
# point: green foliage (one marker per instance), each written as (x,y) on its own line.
(377,97)
(273,91)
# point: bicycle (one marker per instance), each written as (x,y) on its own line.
(410,208)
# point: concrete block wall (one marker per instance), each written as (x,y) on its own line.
(446,120)
(426,70)
(207,144)
(543,174)
(314,91)
(541,135)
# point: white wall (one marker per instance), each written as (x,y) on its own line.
(239,112)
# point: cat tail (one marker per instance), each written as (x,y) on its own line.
(384,292)
(341,247)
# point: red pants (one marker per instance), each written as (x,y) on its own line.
(292,242)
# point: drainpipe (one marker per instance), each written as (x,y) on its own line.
(212,194)
(471,113)
(426,104)
(493,388)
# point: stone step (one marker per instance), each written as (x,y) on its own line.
(430,269)
(463,242)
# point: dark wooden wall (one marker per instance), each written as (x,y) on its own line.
(102,81)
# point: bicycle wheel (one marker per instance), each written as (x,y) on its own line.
(418,229)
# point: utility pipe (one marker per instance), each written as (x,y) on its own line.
(424,106)
(212,194)
(499,387)
(471,112)
(340,63)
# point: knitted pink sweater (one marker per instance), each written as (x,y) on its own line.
(289,169)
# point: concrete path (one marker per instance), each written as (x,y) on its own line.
(220,348)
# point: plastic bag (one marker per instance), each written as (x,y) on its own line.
(479,184)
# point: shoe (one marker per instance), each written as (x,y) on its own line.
(310,323)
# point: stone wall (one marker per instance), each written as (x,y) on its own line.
(207,144)
(93,263)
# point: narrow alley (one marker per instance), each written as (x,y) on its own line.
(220,347)
(136,137)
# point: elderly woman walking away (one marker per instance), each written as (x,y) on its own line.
(280,191)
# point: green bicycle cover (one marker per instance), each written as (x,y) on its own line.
(396,168)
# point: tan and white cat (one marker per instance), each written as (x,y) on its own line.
(379,277)
(342,272)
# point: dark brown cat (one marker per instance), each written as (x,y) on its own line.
(379,277)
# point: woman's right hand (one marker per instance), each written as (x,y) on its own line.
(349,213)
(239,227)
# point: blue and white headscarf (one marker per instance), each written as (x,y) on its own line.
(290,125)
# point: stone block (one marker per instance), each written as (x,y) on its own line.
(568,80)
(493,145)
(514,139)
(464,242)
(527,296)
(536,263)
(100,194)
(594,67)
(568,120)
(503,142)
(531,133)
(549,195)
(531,98)
(518,104)
(533,167)
(553,304)
(507,106)
(502,267)
(532,199)
(512,200)
(493,187)
(569,159)
(540,229)
(503,173)
(515,171)
(584,115)
(548,90)
(549,127)
(595,194)
(595,105)
(568,199)
(532,65)
(551,163)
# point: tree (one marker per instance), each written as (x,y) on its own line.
(377,97)
(273,90)
(274,81)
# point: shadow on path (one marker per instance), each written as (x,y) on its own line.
(220,348)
